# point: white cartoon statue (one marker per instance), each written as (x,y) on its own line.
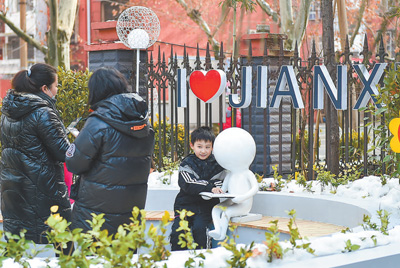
(234,150)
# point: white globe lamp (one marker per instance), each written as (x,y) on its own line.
(138,28)
(138,39)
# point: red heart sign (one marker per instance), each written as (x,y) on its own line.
(207,86)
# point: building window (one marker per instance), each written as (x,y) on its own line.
(13,6)
(13,48)
(110,10)
(314,11)
(389,43)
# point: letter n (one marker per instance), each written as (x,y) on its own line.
(322,80)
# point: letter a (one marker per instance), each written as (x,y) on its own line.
(287,78)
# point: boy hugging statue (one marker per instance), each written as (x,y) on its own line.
(198,172)
(234,150)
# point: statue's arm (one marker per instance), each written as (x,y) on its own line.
(225,184)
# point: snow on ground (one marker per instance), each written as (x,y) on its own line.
(369,188)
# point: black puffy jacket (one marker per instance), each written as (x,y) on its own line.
(112,154)
(34,142)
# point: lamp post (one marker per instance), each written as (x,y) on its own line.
(138,28)
(138,39)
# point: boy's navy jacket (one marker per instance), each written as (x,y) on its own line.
(196,176)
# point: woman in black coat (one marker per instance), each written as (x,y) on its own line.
(34,142)
(112,153)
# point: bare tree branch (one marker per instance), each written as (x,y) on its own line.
(387,18)
(267,9)
(359,20)
(27,38)
(224,15)
(300,24)
(195,15)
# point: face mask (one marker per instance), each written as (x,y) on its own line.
(53,97)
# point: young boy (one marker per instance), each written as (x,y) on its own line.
(198,172)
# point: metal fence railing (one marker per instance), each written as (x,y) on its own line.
(286,135)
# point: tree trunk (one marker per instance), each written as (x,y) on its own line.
(331,113)
(62,19)
(301,23)
(52,57)
(294,30)
(286,16)
(343,26)
(66,21)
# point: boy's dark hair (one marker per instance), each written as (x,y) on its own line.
(104,83)
(31,80)
(202,133)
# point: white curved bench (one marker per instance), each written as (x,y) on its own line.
(315,216)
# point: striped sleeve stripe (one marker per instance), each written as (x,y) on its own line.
(218,183)
(188,179)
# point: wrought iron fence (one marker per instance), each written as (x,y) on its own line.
(287,141)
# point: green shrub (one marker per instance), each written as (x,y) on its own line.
(304,154)
(389,99)
(302,164)
(98,247)
(163,135)
(72,96)
(356,149)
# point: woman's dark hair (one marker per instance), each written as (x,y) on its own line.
(104,83)
(202,134)
(34,78)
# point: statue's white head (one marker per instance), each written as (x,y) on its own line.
(234,149)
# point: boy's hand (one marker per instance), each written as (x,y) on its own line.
(217,190)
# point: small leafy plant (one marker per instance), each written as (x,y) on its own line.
(301,180)
(279,182)
(350,247)
(159,251)
(168,169)
(239,255)
(17,248)
(185,238)
(384,218)
(350,174)
(259,177)
(324,177)
(274,249)
(295,234)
